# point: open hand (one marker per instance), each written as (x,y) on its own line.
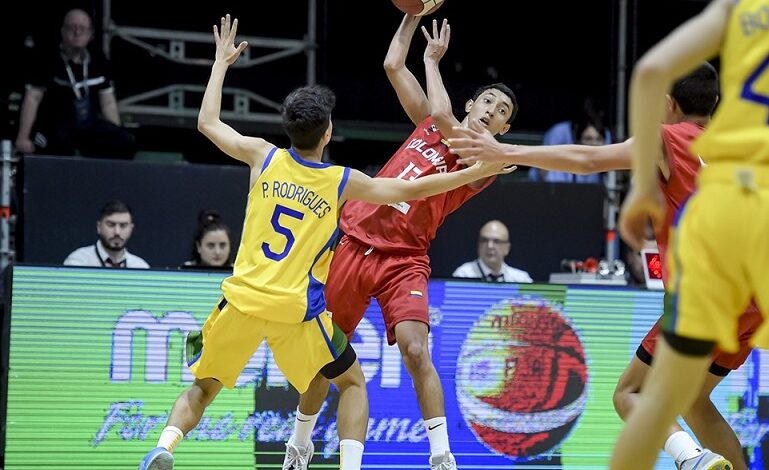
(225,41)
(636,211)
(438,43)
(475,145)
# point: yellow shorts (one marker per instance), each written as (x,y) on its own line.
(719,256)
(229,338)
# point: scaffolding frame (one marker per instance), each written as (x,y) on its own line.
(175,113)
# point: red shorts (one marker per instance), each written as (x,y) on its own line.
(397,282)
(722,362)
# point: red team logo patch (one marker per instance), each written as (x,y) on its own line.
(521,378)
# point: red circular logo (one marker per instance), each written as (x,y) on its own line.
(521,378)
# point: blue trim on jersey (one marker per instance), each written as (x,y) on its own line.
(268,159)
(316,299)
(680,211)
(343,183)
(329,343)
(673,251)
(195,359)
(306,163)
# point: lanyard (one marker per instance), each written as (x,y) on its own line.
(485,276)
(73,83)
(122,264)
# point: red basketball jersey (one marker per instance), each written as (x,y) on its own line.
(409,227)
(677,138)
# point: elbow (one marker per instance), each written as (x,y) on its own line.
(585,166)
(391,67)
(650,70)
(204,122)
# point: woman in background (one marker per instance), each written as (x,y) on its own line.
(212,246)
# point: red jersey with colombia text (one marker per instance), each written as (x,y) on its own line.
(409,227)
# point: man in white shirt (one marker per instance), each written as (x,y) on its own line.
(493,246)
(114,228)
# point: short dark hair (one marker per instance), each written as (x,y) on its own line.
(504,89)
(306,114)
(209,220)
(697,92)
(114,207)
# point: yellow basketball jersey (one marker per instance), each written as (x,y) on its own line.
(739,130)
(285,251)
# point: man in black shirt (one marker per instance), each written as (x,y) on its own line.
(79,111)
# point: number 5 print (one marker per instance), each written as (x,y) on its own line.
(290,239)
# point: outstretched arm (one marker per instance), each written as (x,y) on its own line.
(696,40)
(391,190)
(250,150)
(410,93)
(475,146)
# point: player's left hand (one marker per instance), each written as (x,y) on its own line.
(638,208)
(491,168)
(225,41)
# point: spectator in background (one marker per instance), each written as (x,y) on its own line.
(79,111)
(212,245)
(114,227)
(586,129)
(493,246)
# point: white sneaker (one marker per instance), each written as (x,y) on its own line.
(707,460)
(443,462)
(297,458)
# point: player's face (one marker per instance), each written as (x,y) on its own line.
(490,111)
(214,248)
(115,230)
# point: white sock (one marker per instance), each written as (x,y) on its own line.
(350,454)
(303,426)
(438,435)
(170,438)
(680,446)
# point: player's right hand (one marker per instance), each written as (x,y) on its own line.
(225,41)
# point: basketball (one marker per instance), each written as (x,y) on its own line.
(521,379)
(418,7)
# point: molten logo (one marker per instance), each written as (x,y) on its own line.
(521,378)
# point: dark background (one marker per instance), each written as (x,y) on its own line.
(550,53)
(548,222)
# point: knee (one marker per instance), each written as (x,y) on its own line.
(415,353)
(352,377)
(622,397)
(204,391)
(618,398)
